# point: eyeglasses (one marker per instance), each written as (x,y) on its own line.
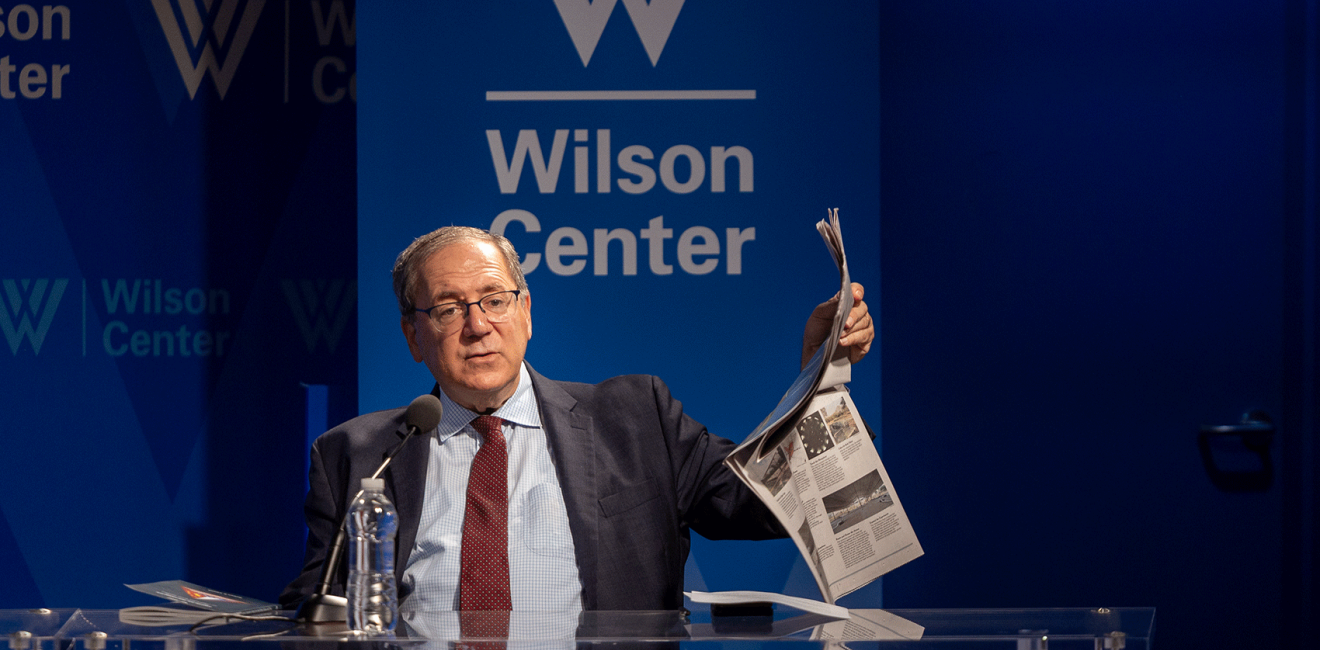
(495,306)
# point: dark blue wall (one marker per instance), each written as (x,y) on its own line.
(1094,242)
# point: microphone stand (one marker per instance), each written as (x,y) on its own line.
(322,606)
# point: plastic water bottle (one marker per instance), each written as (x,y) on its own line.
(373,600)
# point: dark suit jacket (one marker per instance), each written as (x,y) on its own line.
(637,475)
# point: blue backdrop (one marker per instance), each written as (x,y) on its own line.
(177,263)
(1099,233)
(661,234)
(179,243)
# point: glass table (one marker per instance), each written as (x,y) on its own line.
(1019,629)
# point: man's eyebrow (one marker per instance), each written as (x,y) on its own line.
(454,296)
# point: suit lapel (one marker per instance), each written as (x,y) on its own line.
(571,438)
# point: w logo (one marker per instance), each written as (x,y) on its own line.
(210,32)
(586,20)
(321,308)
(25,301)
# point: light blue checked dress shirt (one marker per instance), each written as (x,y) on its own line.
(543,575)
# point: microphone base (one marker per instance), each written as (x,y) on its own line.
(323,608)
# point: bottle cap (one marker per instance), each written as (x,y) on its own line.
(374,484)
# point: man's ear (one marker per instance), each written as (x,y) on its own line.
(527,306)
(410,333)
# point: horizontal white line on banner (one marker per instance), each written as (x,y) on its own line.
(612,95)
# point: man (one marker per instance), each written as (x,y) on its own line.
(597,486)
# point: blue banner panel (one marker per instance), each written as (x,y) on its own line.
(660,167)
(177,260)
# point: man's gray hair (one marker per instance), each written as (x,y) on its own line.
(408,267)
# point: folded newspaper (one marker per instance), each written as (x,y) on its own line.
(201,603)
(813,464)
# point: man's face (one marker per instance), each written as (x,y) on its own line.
(475,361)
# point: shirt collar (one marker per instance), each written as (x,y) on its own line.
(520,409)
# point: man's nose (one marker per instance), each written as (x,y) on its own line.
(477,321)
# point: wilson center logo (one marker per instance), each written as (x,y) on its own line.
(217,32)
(321,308)
(24,301)
(586,20)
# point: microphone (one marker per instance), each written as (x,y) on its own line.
(322,607)
(422,415)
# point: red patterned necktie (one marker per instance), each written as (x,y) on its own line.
(484,578)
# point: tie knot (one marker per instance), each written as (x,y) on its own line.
(488,426)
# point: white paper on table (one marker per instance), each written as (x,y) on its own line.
(740,597)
